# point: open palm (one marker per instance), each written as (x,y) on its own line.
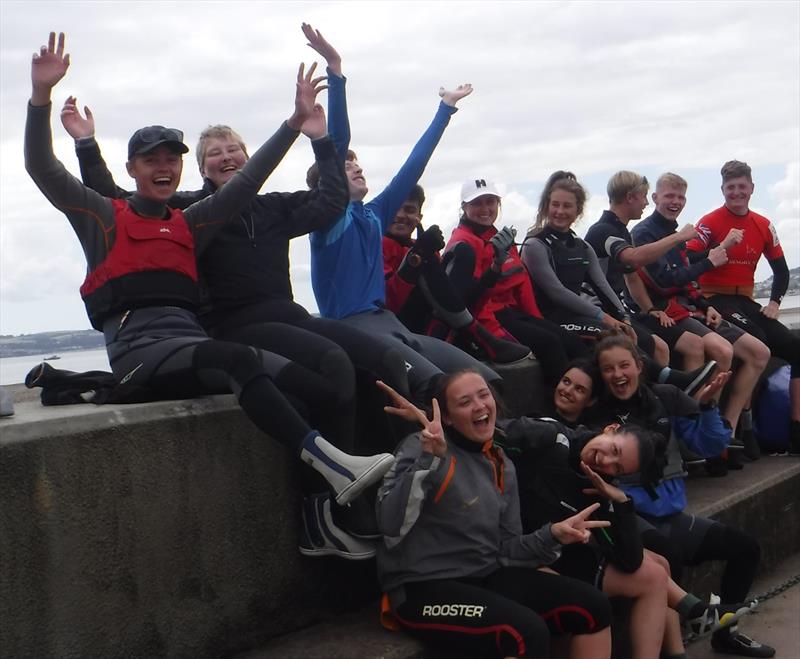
(50,64)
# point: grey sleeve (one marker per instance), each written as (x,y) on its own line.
(90,214)
(602,287)
(237,194)
(536,258)
(406,487)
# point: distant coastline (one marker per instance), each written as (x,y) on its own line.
(50,343)
(54,343)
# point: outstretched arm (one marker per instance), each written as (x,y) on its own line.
(386,204)
(89,214)
(94,171)
(338,121)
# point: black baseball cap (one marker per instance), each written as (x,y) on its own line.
(148,138)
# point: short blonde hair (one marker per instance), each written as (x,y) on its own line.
(671,180)
(220,132)
(624,183)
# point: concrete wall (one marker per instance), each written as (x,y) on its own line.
(160,529)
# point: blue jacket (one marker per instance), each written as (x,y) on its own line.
(347,255)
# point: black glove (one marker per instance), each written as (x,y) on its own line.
(429,242)
(501,242)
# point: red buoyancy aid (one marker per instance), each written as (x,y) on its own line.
(514,291)
(151,263)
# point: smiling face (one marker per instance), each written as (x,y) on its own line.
(573,394)
(669,201)
(356,181)
(620,370)
(406,220)
(737,192)
(482,210)
(157,173)
(470,407)
(223,157)
(612,454)
(562,211)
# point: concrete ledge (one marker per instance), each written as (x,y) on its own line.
(169,529)
(155,530)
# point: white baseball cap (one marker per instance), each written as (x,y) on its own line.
(478,187)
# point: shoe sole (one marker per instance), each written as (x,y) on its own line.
(703,377)
(367,478)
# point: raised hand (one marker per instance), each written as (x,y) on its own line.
(452,96)
(432,438)
(576,528)
(711,391)
(718,256)
(429,241)
(320,44)
(75,125)
(305,95)
(600,487)
(501,243)
(315,126)
(48,66)
(734,237)
(687,232)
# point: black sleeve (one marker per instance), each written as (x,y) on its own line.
(621,542)
(459,264)
(780,278)
(94,171)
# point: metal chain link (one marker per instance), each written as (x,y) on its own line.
(786,585)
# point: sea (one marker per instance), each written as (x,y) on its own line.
(14,369)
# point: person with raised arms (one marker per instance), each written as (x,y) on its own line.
(141,289)
(346,256)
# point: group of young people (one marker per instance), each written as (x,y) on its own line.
(192,291)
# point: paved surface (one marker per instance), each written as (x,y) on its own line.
(775,622)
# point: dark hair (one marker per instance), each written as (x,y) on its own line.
(312,175)
(588,367)
(417,195)
(735,169)
(652,448)
(444,381)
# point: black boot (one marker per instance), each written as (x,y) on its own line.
(477,340)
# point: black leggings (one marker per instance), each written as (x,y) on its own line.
(553,346)
(511,612)
(212,367)
(741,554)
(746,313)
(368,355)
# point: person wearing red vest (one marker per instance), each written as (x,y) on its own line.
(484,263)
(746,236)
(419,292)
(141,287)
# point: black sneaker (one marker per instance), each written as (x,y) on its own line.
(733,642)
(320,536)
(716,467)
(357,518)
(479,342)
(692,381)
(716,616)
(752,451)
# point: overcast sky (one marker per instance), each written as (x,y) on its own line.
(592,87)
